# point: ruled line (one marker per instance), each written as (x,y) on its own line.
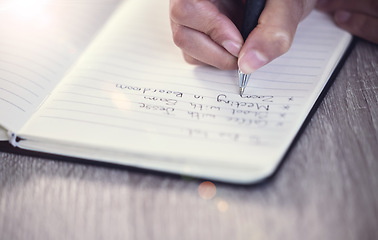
(12,104)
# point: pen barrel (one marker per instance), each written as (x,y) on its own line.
(253,9)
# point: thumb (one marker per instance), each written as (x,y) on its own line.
(273,35)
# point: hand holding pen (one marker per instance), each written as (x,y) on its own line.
(208,31)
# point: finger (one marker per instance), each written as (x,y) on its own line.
(274,33)
(203,16)
(189,59)
(361,25)
(199,46)
(369,7)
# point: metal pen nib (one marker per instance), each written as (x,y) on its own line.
(241,91)
(243,80)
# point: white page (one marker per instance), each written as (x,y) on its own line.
(39,40)
(133,93)
(3,134)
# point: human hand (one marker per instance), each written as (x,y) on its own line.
(359,17)
(207,31)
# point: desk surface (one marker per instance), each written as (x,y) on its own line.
(327,188)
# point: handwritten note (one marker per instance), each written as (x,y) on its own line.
(132,92)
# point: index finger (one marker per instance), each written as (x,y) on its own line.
(205,17)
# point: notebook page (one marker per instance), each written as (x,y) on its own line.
(39,40)
(3,134)
(133,93)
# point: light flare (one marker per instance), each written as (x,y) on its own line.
(207,190)
(31,11)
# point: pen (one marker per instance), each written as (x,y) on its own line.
(253,9)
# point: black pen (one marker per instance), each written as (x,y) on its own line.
(253,9)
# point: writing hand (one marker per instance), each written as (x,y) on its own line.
(359,17)
(207,31)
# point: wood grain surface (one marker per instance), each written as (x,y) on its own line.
(327,187)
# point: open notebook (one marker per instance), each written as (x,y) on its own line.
(114,88)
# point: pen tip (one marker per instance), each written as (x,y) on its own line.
(241,91)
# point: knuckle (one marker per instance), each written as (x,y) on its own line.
(179,38)
(216,29)
(282,40)
(179,10)
(191,60)
(227,64)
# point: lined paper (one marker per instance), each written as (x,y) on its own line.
(132,92)
(39,40)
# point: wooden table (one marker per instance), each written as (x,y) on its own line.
(327,187)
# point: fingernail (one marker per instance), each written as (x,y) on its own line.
(251,61)
(232,47)
(342,16)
